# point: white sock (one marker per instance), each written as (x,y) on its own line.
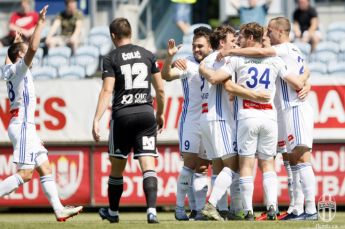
(223,202)
(297,191)
(183,183)
(290,179)
(307,177)
(50,190)
(151,210)
(113,213)
(235,194)
(191,197)
(247,189)
(270,188)
(200,190)
(10,184)
(221,185)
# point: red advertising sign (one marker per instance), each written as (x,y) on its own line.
(70,165)
(328,163)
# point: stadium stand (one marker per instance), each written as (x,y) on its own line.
(71,72)
(44,73)
(99,37)
(336,69)
(318,68)
(325,52)
(55,61)
(88,57)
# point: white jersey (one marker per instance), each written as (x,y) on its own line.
(215,99)
(257,74)
(191,83)
(21,92)
(293,59)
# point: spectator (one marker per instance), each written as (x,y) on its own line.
(306,24)
(252,10)
(23,21)
(70,22)
(183,14)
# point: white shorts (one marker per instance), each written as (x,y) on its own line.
(299,121)
(282,137)
(216,136)
(190,140)
(257,135)
(26,143)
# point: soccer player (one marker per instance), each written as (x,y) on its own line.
(28,152)
(216,119)
(257,126)
(128,72)
(191,147)
(296,124)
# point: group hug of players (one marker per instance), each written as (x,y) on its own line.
(244,98)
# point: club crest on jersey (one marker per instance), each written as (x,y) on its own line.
(127,99)
(68,171)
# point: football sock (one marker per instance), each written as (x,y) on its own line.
(183,184)
(235,194)
(221,185)
(50,190)
(10,184)
(115,189)
(307,177)
(290,179)
(297,191)
(270,188)
(247,188)
(150,188)
(200,190)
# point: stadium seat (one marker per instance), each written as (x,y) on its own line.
(44,72)
(336,26)
(317,69)
(55,61)
(336,36)
(325,52)
(336,69)
(63,51)
(341,54)
(102,42)
(37,61)
(71,72)
(104,30)
(88,57)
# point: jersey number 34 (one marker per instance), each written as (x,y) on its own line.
(264,78)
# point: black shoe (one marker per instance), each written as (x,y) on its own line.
(104,214)
(192,214)
(271,213)
(224,214)
(249,216)
(151,218)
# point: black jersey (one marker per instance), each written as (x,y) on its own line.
(132,66)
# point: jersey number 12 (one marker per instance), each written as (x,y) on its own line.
(139,69)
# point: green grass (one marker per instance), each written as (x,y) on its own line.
(138,220)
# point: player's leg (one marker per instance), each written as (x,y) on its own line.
(301,132)
(200,184)
(50,190)
(13,182)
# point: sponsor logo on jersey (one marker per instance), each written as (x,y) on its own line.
(140,98)
(127,99)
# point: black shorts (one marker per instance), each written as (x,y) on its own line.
(136,131)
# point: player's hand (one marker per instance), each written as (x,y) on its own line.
(202,67)
(95,131)
(303,93)
(262,96)
(180,64)
(18,37)
(172,48)
(43,13)
(160,122)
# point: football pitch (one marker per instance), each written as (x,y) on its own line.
(138,220)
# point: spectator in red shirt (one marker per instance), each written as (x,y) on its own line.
(23,21)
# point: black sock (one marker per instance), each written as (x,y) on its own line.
(150,188)
(115,189)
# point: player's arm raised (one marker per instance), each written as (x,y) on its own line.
(212,76)
(169,73)
(160,98)
(238,90)
(36,37)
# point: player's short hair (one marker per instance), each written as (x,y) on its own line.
(220,33)
(68,1)
(282,23)
(13,51)
(252,29)
(121,28)
(202,31)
